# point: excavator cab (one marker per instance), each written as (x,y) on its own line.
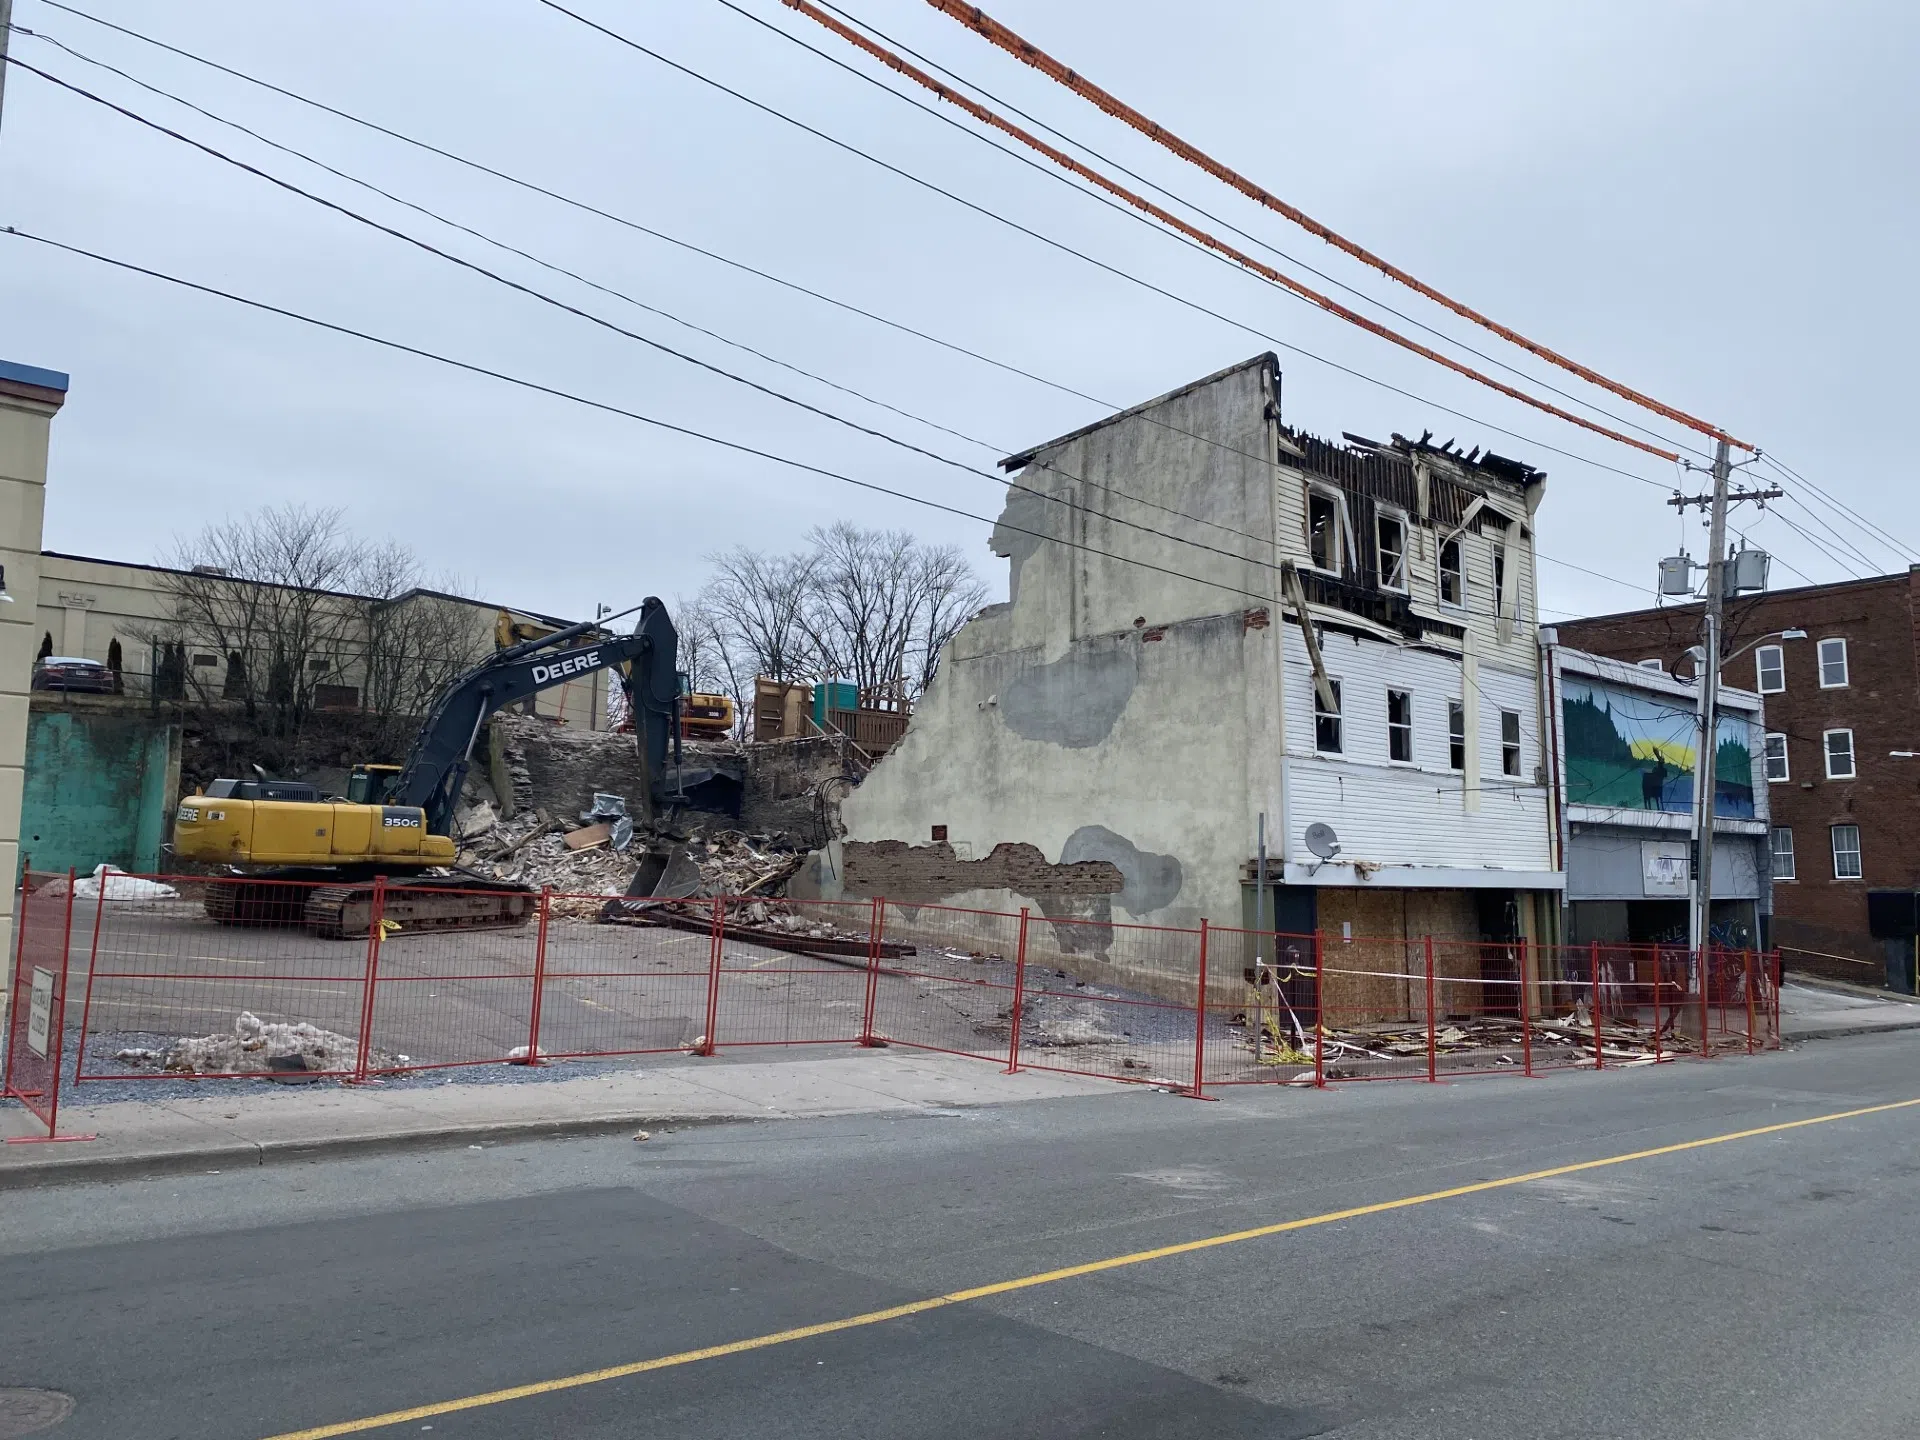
(367,783)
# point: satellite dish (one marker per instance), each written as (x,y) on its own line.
(1322,841)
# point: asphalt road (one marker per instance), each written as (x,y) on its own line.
(1762,1286)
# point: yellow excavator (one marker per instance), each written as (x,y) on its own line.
(397,820)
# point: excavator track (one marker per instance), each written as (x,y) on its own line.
(437,903)
(256,903)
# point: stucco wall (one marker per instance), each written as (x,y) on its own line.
(29,399)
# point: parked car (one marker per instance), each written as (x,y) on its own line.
(66,672)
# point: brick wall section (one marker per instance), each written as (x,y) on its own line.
(1816,917)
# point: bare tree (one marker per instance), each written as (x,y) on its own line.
(948,594)
(871,606)
(264,590)
(418,641)
(759,603)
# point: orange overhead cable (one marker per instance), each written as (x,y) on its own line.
(1199,236)
(1026,52)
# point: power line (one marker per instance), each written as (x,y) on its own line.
(587,315)
(739,447)
(634,225)
(1131,213)
(1903,552)
(1193,232)
(1031,55)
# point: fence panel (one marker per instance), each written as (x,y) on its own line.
(954,987)
(179,969)
(630,988)
(447,997)
(1262,1008)
(1375,1003)
(1084,1027)
(792,972)
(36,1017)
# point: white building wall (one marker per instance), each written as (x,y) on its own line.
(1419,814)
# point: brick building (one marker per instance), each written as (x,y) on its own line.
(1839,704)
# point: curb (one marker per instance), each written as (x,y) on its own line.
(78,1169)
(1843,1032)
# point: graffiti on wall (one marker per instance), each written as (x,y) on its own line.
(1629,750)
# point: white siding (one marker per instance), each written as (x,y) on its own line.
(1396,814)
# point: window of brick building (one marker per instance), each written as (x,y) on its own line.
(1846,852)
(1654,664)
(1777,758)
(1770,661)
(1400,725)
(1782,854)
(1833,664)
(1326,723)
(1839,754)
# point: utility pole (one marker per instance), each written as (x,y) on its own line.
(1700,920)
(1703,768)
(6,33)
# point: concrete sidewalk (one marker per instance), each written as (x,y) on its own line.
(1828,1011)
(246,1123)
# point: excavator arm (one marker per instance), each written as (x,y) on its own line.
(645,662)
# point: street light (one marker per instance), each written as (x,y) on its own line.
(1699,656)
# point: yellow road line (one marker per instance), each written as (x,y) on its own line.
(1048,1277)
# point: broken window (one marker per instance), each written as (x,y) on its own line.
(1323,532)
(1326,723)
(1400,725)
(1456,735)
(1510,742)
(1392,547)
(1453,580)
(1499,579)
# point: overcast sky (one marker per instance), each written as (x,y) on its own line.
(1712,200)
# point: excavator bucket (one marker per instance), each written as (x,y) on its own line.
(668,874)
(663,875)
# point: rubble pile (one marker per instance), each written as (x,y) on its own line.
(586,857)
(260,1047)
(1566,1041)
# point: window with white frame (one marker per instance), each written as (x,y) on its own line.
(1390,542)
(1509,742)
(1327,738)
(1770,667)
(1456,735)
(1657,665)
(1776,758)
(1833,664)
(1782,853)
(1846,852)
(1326,520)
(1499,578)
(1400,726)
(1839,754)
(1453,574)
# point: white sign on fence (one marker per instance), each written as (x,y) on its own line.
(40,1011)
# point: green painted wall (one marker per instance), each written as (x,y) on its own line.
(99,790)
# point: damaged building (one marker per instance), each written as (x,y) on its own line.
(1217,622)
